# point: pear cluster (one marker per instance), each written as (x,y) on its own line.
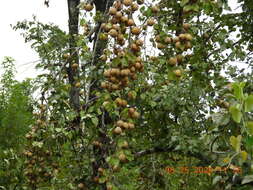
(39,160)
(121,27)
(125,62)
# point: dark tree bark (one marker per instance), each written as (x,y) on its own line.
(73,74)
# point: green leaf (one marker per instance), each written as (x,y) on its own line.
(244,155)
(102,179)
(247,179)
(236,113)
(94,120)
(143,96)
(249,126)
(184,2)
(236,142)
(221,119)
(238,90)
(37,144)
(216,179)
(152,104)
(249,103)
(112,161)
(249,141)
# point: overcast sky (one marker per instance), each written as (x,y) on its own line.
(12,44)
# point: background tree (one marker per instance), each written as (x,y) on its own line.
(15,120)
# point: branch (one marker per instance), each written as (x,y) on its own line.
(204,159)
(153,150)
(216,152)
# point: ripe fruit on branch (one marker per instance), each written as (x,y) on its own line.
(186,26)
(96,179)
(28,136)
(173,61)
(176,39)
(135,30)
(78,85)
(107,73)
(117,131)
(113,33)
(160,46)
(139,42)
(115,168)
(115,87)
(140,2)
(182,37)
(118,5)
(131,95)
(118,15)
(157,38)
(114,71)
(137,65)
(101,170)
(134,7)
(112,11)
(167,40)
(151,22)
(116,27)
(178,72)
(107,27)
(178,45)
(188,45)
(188,37)
(121,102)
(125,125)
(120,37)
(131,111)
(39,122)
(125,72)
(109,187)
(88,7)
(74,66)
(135,115)
(132,69)
(155,9)
(120,123)
(118,101)
(138,59)
(97,143)
(103,85)
(130,22)
(122,157)
(125,144)
(66,56)
(80,185)
(114,20)
(127,2)
(103,57)
(124,19)
(135,48)
(180,58)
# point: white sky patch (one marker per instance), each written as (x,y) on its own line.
(12,43)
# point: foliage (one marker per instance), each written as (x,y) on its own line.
(15,119)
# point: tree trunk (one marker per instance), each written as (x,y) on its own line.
(73,74)
(100,153)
